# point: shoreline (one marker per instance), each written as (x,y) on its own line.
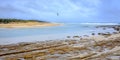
(102,46)
(28,25)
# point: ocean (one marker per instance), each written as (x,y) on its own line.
(17,35)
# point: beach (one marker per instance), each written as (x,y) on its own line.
(59,29)
(28,25)
(97,46)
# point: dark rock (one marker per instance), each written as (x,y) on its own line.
(76,37)
(99,33)
(68,36)
(93,33)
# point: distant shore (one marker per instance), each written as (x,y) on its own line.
(28,25)
(19,23)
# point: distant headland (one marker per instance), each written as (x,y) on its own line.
(20,23)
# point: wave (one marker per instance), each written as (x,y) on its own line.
(100,23)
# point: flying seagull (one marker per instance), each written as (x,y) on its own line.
(57,14)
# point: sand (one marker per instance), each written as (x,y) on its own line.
(27,25)
(100,47)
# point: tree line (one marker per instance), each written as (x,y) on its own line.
(6,21)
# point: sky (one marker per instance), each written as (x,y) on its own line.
(62,10)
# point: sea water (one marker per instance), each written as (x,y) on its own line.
(16,35)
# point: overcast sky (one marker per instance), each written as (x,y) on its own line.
(68,10)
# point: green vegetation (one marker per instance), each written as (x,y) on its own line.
(6,21)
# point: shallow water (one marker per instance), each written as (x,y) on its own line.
(16,35)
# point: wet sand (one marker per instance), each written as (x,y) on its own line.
(103,46)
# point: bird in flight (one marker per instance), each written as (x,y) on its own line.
(57,14)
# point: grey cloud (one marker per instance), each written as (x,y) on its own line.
(69,10)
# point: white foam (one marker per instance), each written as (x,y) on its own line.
(100,23)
